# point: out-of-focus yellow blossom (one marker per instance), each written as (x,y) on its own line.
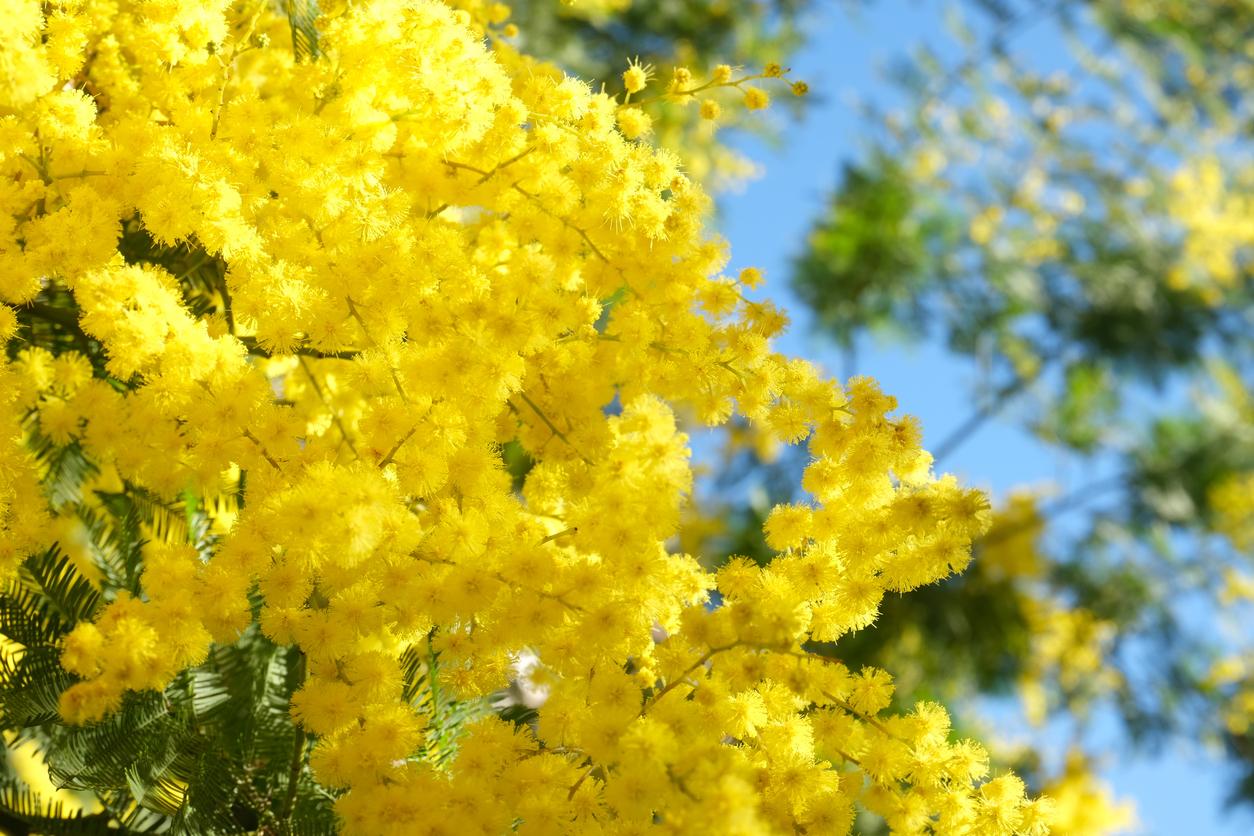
(1237,586)
(1233,502)
(1083,805)
(928,163)
(1009,551)
(1216,211)
(1233,677)
(1070,646)
(985,224)
(595,8)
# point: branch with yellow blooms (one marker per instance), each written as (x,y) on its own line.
(634,121)
(357,377)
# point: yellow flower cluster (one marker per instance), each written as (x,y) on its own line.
(1083,805)
(405,252)
(1071,647)
(1216,213)
(1232,677)
(1233,500)
(24,519)
(1011,551)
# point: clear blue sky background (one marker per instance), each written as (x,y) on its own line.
(1179,791)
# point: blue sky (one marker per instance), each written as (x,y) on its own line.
(1180,790)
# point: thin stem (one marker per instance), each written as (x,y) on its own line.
(562,533)
(322,397)
(1086,493)
(257,350)
(298,756)
(579,783)
(582,233)
(73,175)
(669,686)
(248,434)
(552,427)
(866,718)
(228,67)
(486,174)
(228,310)
(356,314)
(729,367)
(1000,400)
(692,91)
(1067,502)
(433,679)
(195,266)
(396,448)
(848,757)
(36,164)
(217,111)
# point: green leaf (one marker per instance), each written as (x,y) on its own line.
(23,811)
(68,596)
(30,686)
(302,18)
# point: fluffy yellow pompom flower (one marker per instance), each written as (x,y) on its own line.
(634,122)
(756,98)
(636,76)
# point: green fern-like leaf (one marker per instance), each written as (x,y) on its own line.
(302,17)
(64,467)
(68,596)
(43,603)
(128,519)
(116,535)
(24,617)
(31,683)
(22,811)
(446,717)
(101,755)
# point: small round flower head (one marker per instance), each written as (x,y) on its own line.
(800,88)
(498,13)
(710,109)
(8,323)
(722,74)
(773,70)
(751,277)
(756,98)
(636,76)
(634,122)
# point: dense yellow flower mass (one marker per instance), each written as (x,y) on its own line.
(316,294)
